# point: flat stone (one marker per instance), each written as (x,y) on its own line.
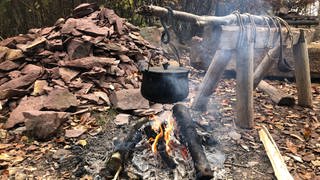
(9,93)
(91,97)
(39,87)
(21,81)
(122,119)
(8,65)
(103,96)
(129,99)
(60,100)
(26,104)
(67,74)
(89,62)
(13,54)
(78,49)
(84,9)
(42,124)
(37,43)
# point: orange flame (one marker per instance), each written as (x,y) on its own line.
(167,133)
(156,126)
(154,145)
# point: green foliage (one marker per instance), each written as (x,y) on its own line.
(17,16)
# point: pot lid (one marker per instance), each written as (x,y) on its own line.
(169,70)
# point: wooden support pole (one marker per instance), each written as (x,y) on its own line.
(265,65)
(302,71)
(211,79)
(244,86)
(277,96)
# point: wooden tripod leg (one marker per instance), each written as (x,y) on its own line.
(263,68)
(244,87)
(302,71)
(211,79)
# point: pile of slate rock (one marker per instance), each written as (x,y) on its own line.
(89,60)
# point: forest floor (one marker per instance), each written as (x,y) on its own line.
(296,131)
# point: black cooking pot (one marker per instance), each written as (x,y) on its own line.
(165,84)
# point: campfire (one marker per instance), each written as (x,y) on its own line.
(169,140)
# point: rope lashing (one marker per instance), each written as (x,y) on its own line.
(242,29)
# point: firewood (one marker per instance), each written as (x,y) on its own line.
(278,164)
(192,140)
(279,97)
(122,152)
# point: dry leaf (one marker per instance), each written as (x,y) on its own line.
(292,147)
(296,158)
(5,157)
(82,142)
(307,132)
(74,133)
(5,146)
(309,157)
(316,163)
(298,137)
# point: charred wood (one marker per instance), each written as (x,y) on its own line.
(122,152)
(192,141)
(161,147)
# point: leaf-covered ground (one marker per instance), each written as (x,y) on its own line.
(295,130)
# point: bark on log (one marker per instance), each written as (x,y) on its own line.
(277,96)
(302,71)
(226,21)
(244,86)
(211,79)
(200,20)
(192,141)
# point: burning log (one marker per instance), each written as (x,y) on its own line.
(192,140)
(160,146)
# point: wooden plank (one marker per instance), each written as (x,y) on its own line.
(211,79)
(302,71)
(278,164)
(244,86)
(265,37)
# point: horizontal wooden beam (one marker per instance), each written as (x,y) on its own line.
(202,20)
(265,37)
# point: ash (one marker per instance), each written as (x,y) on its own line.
(145,164)
(149,165)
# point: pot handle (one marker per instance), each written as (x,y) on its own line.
(165,37)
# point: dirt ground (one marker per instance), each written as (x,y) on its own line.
(241,154)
